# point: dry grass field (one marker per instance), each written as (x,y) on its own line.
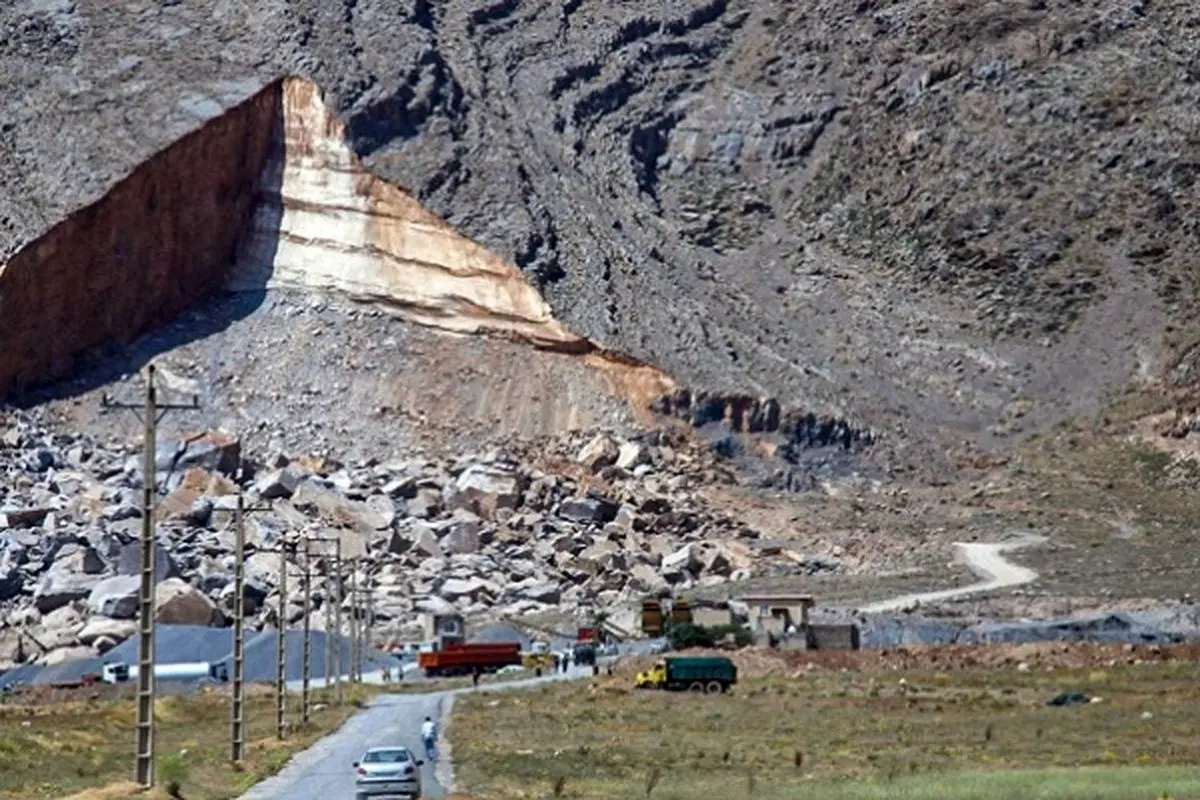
(84,748)
(966,733)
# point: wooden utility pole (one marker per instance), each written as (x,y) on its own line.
(152,414)
(238,711)
(281,646)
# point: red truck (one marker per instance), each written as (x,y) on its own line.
(465,658)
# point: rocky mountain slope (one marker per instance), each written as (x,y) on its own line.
(967,217)
(854,244)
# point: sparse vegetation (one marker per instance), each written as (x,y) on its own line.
(90,744)
(967,734)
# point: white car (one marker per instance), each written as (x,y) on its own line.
(387,772)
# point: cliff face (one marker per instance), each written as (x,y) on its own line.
(160,240)
(323,221)
(272,188)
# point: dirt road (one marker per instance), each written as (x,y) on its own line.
(985,560)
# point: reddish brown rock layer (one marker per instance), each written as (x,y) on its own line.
(157,243)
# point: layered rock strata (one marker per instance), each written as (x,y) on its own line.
(325,222)
(273,188)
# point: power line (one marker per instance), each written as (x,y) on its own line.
(151,414)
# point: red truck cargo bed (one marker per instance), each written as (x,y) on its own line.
(465,658)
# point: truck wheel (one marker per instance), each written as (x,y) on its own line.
(714,687)
(696,686)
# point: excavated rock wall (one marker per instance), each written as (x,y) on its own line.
(325,222)
(273,189)
(158,242)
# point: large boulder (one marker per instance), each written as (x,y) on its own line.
(78,559)
(632,455)
(588,510)
(116,597)
(104,633)
(416,536)
(58,628)
(58,588)
(466,588)
(12,556)
(62,655)
(279,484)
(683,563)
(541,591)
(646,579)
(483,490)
(460,534)
(211,451)
(129,562)
(337,511)
(179,603)
(602,451)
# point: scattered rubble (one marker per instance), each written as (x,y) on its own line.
(580,519)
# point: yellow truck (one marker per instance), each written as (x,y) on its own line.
(538,657)
(708,674)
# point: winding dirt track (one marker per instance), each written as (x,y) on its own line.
(985,560)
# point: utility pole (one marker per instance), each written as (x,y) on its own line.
(238,712)
(151,414)
(281,646)
(326,557)
(237,732)
(337,622)
(306,657)
(329,631)
(368,635)
(354,643)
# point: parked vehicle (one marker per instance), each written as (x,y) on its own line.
(710,674)
(120,672)
(387,771)
(463,659)
(584,654)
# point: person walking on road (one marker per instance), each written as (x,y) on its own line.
(429,737)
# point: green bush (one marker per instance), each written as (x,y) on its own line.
(686,635)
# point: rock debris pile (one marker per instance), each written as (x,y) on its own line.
(582,519)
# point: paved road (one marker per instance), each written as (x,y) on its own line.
(985,560)
(323,772)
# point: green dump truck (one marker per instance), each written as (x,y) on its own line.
(709,674)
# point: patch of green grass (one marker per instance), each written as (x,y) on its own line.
(832,734)
(90,743)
